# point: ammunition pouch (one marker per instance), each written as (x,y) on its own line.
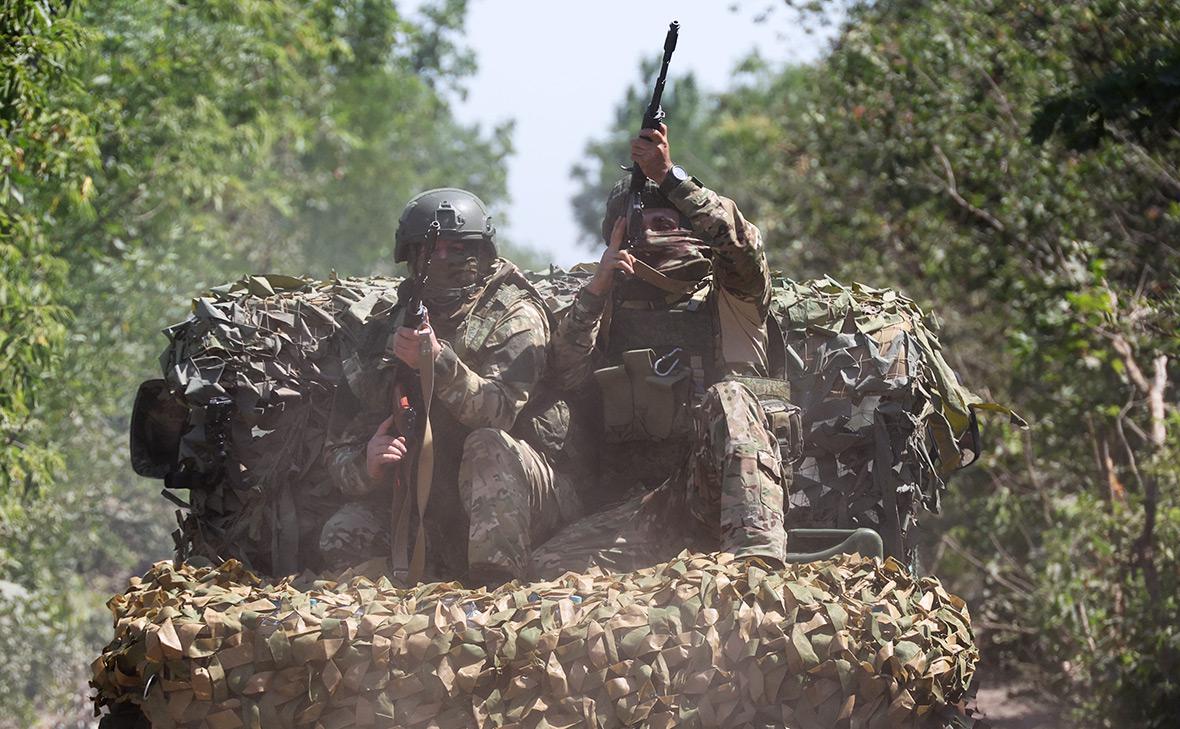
(785,418)
(645,398)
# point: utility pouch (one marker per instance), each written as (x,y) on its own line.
(785,418)
(642,400)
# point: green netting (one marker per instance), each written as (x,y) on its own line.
(885,419)
(702,640)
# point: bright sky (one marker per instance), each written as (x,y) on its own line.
(559,68)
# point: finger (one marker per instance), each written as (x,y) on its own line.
(616,235)
(657,136)
(386,426)
(663,129)
(384,458)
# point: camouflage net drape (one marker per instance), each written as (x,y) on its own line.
(269,347)
(698,641)
(885,419)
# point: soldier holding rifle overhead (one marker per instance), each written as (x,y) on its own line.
(671,337)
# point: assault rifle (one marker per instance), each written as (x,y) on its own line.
(652,117)
(412,392)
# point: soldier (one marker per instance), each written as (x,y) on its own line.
(673,332)
(496,427)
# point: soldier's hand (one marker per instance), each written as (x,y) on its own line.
(650,151)
(407,345)
(384,449)
(612,260)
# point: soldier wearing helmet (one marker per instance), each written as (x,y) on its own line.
(497,427)
(671,338)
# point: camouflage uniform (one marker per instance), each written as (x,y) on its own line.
(727,486)
(496,433)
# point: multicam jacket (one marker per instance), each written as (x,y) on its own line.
(488,375)
(740,289)
(721,325)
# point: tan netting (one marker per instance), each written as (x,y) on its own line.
(698,641)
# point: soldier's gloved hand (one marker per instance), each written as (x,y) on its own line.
(384,449)
(612,260)
(650,151)
(407,346)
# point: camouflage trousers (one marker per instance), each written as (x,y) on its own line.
(727,496)
(514,499)
(356,532)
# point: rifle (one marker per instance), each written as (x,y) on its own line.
(652,117)
(412,392)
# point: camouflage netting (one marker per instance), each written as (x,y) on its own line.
(257,364)
(885,419)
(698,641)
(258,361)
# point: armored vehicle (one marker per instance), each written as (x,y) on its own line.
(240,630)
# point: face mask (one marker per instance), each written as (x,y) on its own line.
(678,254)
(455,279)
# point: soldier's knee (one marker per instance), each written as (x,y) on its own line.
(732,411)
(726,398)
(488,466)
(484,443)
(352,535)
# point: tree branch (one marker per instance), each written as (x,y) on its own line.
(952,189)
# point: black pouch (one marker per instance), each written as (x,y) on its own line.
(157,420)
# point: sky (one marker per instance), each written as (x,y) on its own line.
(558,69)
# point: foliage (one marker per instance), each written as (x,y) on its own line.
(1012,166)
(150,150)
(38,142)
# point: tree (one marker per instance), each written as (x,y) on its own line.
(1011,165)
(152,150)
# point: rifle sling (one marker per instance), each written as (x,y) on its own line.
(652,277)
(425,455)
(404,563)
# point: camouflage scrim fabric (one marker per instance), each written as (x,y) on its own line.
(256,365)
(700,641)
(885,418)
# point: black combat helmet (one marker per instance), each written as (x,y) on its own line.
(460,214)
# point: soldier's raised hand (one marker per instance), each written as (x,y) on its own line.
(650,151)
(384,449)
(612,260)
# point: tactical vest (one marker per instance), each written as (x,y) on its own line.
(662,357)
(366,374)
(542,424)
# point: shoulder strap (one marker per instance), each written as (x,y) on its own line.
(776,347)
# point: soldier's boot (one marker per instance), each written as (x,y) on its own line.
(513,499)
(745,456)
